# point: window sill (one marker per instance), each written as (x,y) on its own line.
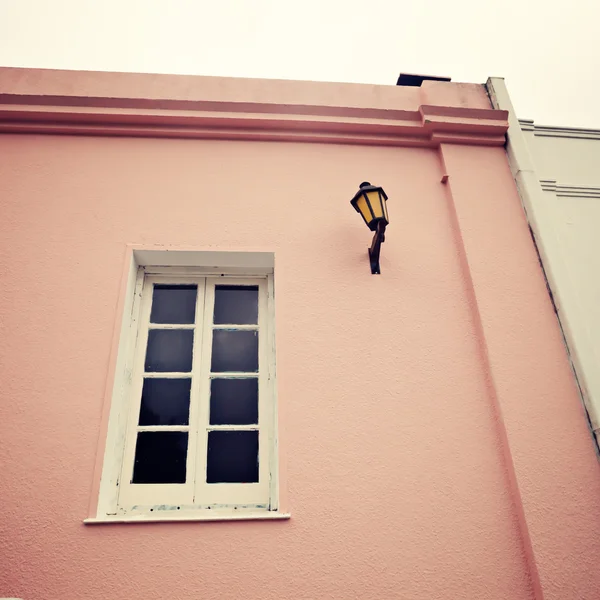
(189,516)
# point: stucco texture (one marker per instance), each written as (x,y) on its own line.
(393,454)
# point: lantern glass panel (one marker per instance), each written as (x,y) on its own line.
(385,212)
(363,207)
(376,203)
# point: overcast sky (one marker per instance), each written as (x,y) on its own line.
(547,50)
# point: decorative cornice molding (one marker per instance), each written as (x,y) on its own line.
(527,124)
(427,127)
(571,191)
(563,132)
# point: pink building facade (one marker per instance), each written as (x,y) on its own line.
(424,434)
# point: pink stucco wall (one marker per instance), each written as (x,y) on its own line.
(432,441)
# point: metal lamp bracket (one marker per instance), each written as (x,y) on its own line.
(375,248)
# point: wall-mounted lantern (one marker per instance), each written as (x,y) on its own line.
(371,202)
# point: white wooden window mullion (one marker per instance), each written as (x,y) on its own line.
(264,396)
(195,397)
(166,375)
(271,393)
(204,392)
(178,326)
(238,327)
(233,427)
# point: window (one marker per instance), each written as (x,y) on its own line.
(197,401)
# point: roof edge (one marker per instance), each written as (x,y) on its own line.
(93,103)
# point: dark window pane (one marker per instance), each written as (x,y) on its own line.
(165,402)
(173,304)
(236,305)
(234,351)
(169,350)
(234,401)
(232,457)
(160,457)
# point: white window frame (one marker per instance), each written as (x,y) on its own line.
(122,502)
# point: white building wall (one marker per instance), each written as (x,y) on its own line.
(557,171)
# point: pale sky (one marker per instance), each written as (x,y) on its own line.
(547,50)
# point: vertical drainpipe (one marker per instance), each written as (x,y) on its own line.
(531,194)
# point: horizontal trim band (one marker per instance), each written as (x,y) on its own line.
(552,131)
(574,191)
(427,127)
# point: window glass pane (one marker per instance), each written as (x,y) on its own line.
(234,401)
(232,457)
(234,351)
(169,350)
(173,304)
(236,305)
(165,402)
(160,457)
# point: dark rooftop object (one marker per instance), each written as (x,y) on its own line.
(417,80)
